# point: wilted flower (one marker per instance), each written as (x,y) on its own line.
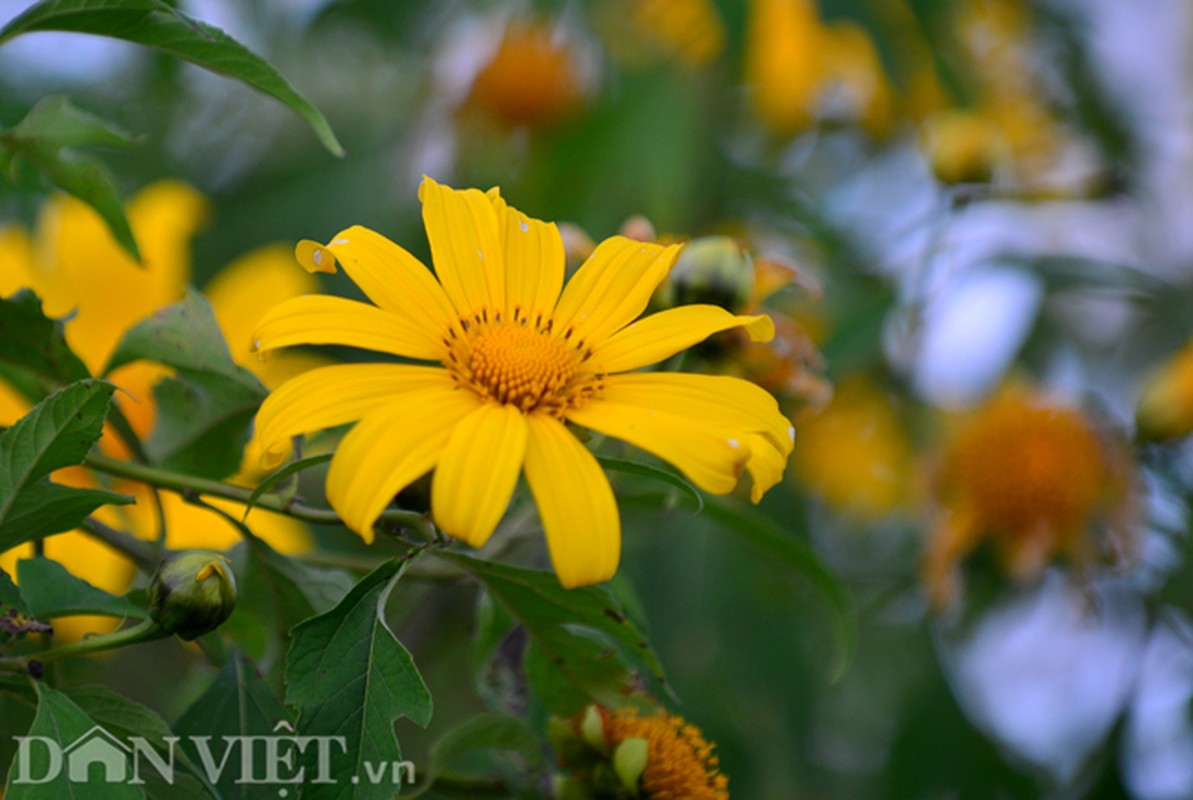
(1033,479)
(516,356)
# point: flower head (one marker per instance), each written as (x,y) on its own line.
(658,757)
(1030,477)
(515,357)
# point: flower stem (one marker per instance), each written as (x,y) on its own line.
(145,631)
(191,485)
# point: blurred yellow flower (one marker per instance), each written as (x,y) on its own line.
(963,146)
(79,270)
(799,69)
(519,356)
(855,455)
(1166,406)
(533,79)
(1032,478)
(640,32)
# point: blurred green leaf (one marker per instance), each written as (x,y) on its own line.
(576,629)
(34,346)
(657,473)
(238,703)
(45,138)
(347,674)
(57,433)
(495,654)
(52,591)
(61,721)
(157,24)
(205,411)
(484,732)
(1061,272)
(763,533)
(273,479)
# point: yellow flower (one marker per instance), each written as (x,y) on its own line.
(533,79)
(963,146)
(1166,406)
(1030,477)
(691,30)
(854,453)
(78,270)
(516,357)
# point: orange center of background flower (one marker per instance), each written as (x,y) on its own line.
(1018,467)
(680,762)
(521,365)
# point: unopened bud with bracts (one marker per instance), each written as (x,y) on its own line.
(192,593)
(713,269)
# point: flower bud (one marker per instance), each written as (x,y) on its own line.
(712,269)
(963,147)
(192,593)
(629,761)
(1166,406)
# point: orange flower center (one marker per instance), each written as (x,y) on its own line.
(680,762)
(1020,466)
(520,364)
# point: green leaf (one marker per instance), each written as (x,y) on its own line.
(45,138)
(16,620)
(484,732)
(277,477)
(34,346)
(238,703)
(205,412)
(64,724)
(579,631)
(349,676)
(52,591)
(126,719)
(57,433)
(648,471)
(156,24)
(762,532)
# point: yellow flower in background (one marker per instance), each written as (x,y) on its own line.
(1031,478)
(533,79)
(1166,406)
(854,453)
(517,356)
(963,146)
(799,69)
(78,269)
(641,32)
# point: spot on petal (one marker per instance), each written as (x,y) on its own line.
(791,433)
(734,443)
(340,241)
(524,226)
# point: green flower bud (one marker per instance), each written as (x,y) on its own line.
(629,761)
(592,730)
(192,593)
(712,269)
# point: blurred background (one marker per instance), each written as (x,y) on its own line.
(980,212)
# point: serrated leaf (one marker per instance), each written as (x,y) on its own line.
(572,627)
(156,24)
(648,471)
(238,703)
(273,479)
(57,433)
(206,410)
(35,345)
(349,676)
(126,719)
(62,722)
(760,531)
(484,732)
(52,591)
(45,138)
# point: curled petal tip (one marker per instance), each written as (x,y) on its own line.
(314,257)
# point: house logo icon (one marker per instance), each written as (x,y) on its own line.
(97,748)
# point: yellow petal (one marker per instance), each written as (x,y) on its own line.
(650,340)
(719,399)
(18,269)
(478,471)
(711,456)
(242,292)
(389,448)
(392,278)
(575,503)
(534,260)
(465,246)
(335,395)
(321,319)
(765,466)
(613,287)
